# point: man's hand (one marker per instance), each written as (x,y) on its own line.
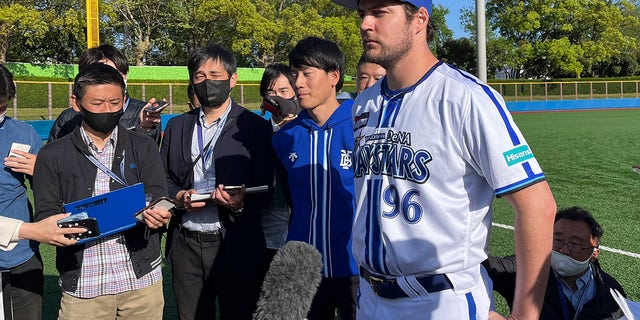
(232,201)
(156,217)
(47,231)
(148,117)
(23,164)
(183,199)
(286,119)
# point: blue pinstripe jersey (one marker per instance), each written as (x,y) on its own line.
(428,161)
(320,177)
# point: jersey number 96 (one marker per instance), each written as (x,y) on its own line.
(405,205)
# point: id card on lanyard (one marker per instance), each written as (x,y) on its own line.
(208,182)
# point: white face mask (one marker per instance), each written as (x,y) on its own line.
(566,266)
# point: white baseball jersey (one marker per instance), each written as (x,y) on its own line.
(428,161)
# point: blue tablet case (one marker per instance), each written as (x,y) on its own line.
(114,211)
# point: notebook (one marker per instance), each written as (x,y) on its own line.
(114,211)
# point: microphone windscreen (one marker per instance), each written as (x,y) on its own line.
(291,283)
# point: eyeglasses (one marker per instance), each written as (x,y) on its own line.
(573,248)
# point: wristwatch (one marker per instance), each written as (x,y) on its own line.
(238,211)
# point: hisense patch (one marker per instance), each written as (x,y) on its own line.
(518,155)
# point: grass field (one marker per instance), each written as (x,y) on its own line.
(587,158)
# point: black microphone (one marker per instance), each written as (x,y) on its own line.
(291,283)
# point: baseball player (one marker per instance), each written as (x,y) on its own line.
(433,146)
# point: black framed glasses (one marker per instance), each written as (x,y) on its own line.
(573,248)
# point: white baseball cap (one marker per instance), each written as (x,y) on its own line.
(353,4)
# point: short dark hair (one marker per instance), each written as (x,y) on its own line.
(104,51)
(212,51)
(411,10)
(363,59)
(95,74)
(579,214)
(273,72)
(7,87)
(319,53)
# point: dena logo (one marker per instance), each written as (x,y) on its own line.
(518,155)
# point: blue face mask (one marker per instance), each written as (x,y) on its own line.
(566,266)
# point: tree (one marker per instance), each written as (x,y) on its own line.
(20,23)
(460,53)
(140,20)
(64,37)
(443,34)
(560,38)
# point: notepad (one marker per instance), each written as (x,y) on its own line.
(114,210)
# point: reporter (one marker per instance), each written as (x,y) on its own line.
(23,262)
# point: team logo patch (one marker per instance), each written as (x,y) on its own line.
(293,156)
(345,159)
(360,121)
(517,155)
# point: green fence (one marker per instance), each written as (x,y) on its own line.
(45,100)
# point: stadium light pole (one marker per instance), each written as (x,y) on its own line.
(481,38)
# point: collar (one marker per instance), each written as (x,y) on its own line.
(341,114)
(113,139)
(202,117)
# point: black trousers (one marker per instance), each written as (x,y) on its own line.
(335,294)
(26,283)
(194,286)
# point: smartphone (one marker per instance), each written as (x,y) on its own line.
(271,105)
(197,197)
(18,146)
(232,189)
(257,189)
(91,224)
(160,107)
(162,202)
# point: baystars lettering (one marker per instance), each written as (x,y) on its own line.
(392,156)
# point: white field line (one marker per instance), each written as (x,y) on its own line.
(605,248)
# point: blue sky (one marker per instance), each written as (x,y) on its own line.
(453,18)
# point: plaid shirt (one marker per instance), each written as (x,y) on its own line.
(106,265)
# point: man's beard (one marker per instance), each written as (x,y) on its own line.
(388,57)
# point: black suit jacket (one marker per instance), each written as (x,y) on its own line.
(242,155)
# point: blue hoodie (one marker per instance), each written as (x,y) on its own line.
(320,179)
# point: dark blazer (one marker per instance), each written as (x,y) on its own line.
(502,272)
(242,155)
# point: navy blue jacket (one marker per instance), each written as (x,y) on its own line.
(503,273)
(242,155)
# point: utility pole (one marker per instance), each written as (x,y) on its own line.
(93,24)
(481,36)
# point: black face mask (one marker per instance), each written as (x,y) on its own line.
(212,93)
(102,122)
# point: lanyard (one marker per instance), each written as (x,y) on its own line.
(563,299)
(106,170)
(207,151)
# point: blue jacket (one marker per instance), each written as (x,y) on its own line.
(13,191)
(317,163)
